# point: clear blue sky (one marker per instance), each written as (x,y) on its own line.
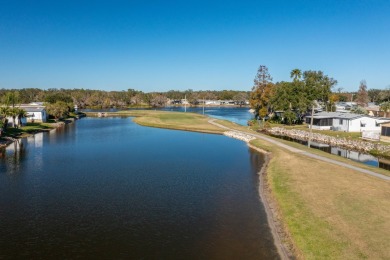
(216,45)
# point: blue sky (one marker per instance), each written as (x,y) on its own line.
(202,45)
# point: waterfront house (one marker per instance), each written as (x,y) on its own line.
(36,112)
(346,122)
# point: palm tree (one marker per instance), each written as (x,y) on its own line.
(385,107)
(296,74)
(21,113)
(4,112)
(13,112)
(11,98)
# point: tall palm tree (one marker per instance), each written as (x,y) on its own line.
(13,112)
(296,74)
(21,113)
(11,98)
(4,111)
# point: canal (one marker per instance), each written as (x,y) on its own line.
(108,188)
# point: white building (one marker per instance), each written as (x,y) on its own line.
(36,112)
(346,122)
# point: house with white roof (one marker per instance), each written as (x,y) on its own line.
(36,112)
(346,122)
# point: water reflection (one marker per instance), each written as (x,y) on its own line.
(12,156)
(364,158)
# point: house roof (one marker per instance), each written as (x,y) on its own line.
(373,108)
(347,116)
(33,109)
(340,115)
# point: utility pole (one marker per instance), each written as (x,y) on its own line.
(311,126)
(185,103)
(203,104)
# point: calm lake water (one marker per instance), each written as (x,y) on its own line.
(238,115)
(108,188)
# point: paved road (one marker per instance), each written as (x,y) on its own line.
(296,150)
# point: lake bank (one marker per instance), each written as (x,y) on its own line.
(30,129)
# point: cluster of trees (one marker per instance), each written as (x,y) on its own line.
(86,98)
(294,98)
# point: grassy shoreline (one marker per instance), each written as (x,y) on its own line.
(11,134)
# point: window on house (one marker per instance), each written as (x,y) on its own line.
(340,121)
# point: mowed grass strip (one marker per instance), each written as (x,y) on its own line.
(330,212)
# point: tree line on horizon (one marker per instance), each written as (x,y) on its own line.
(61,102)
(295,98)
(100,99)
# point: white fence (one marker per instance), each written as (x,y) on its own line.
(371,135)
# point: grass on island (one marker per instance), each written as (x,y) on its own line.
(28,129)
(171,120)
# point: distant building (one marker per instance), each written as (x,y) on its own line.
(374,110)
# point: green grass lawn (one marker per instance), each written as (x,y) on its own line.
(330,212)
(29,128)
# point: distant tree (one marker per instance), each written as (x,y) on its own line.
(210,95)
(385,107)
(58,110)
(137,99)
(262,92)
(333,98)
(343,98)
(193,98)
(384,95)
(240,98)
(289,117)
(318,85)
(11,98)
(291,96)
(374,95)
(362,94)
(296,74)
(54,95)
(359,110)
(158,100)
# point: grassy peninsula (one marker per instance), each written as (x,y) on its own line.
(171,120)
(326,210)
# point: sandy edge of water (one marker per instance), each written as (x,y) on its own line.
(282,239)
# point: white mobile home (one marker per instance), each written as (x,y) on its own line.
(346,122)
